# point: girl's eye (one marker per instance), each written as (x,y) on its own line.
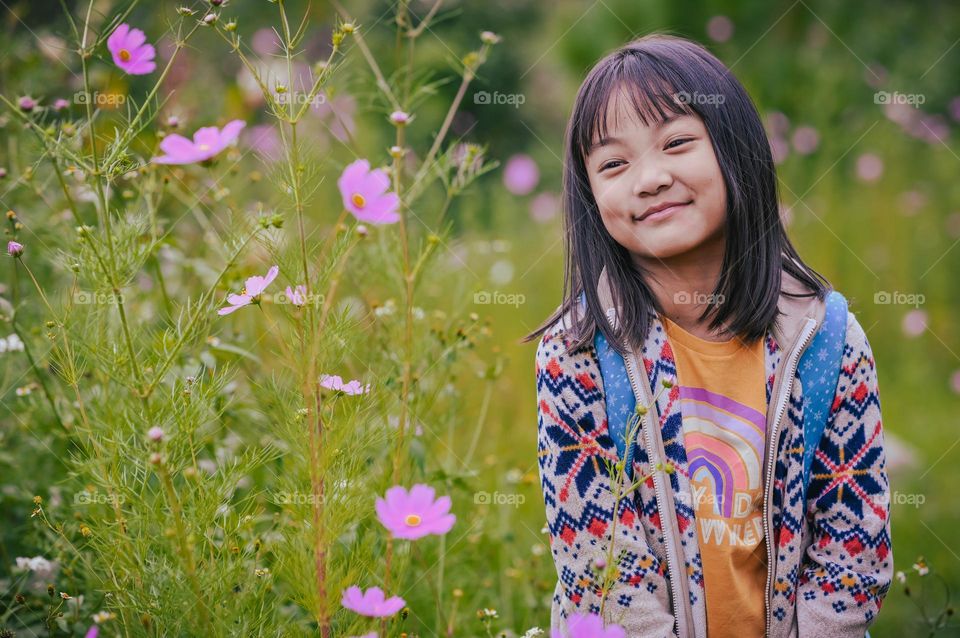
(678,141)
(611,164)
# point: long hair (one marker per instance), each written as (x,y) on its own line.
(664,75)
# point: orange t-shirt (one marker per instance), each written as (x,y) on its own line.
(723,402)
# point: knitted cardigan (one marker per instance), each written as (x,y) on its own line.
(830,558)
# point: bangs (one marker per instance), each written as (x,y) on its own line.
(654,92)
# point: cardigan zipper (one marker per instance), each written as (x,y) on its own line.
(785,387)
(682,617)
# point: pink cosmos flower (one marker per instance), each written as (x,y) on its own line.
(130,51)
(521,174)
(588,626)
(334,382)
(297,296)
(372,602)
(414,514)
(364,194)
(251,292)
(207,142)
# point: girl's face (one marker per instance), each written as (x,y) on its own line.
(640,169)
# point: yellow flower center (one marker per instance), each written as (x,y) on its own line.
(204,147)
(124,55)
(412,520)
(358,200)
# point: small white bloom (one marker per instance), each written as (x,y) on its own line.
(533,632)
(901,577)
(103,616)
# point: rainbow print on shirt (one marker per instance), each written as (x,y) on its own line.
(724,440)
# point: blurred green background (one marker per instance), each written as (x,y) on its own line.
(862,104)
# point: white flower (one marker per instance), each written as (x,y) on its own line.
(533,632)
(11,344)
(901,577)
(37,564)
(921,568)
(103,616)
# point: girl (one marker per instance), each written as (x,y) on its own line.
(676,253)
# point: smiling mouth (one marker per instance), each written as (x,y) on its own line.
(660,214)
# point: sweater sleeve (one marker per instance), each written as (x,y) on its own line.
(572,443)
(848,565)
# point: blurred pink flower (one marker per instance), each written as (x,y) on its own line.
(59,104)
(334,382)
(521,174)
(544,207)
(265,41)
(588,626)
(371,603)
(340,108)
(805,140)
(779,148)
(297,296)
(251,292)
(720,28)
(955,381)
(414,514)
(364,194)
(955,108)
(130,51)
(778,123)
(14,248)
(264,139)
(869,167)
(207,142)
(914,323)
(93,632)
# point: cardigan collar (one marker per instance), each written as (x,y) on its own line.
(794,311)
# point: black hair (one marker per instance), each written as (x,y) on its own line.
(658,72)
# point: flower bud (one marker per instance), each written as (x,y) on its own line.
(399,118)
(489,37)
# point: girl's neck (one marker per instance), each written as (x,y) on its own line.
(683,286)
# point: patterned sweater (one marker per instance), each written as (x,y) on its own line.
(830,561)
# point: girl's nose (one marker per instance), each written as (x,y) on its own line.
(650,179)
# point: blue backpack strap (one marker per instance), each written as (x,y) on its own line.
(618,394)
(819,371)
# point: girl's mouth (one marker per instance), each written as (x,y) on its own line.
(661,214)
